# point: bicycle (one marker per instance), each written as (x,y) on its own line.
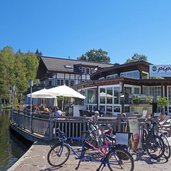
(163,134)
(106,145)
(151,142)
(114,157)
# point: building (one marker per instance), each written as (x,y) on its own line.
(58,71)
(112,90)
(108,88)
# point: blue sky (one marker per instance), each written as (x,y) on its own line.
(69,28)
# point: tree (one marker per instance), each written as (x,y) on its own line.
(7,77)
(20,71)
(93,55)
(136,57)
(31,62)
(16,69)
(38,54)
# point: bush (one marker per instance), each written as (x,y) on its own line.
(136,100)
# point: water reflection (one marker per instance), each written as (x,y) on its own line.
(11,148)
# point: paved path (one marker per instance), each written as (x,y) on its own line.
(35,159)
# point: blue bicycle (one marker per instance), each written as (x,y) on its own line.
(60,152)
(116,158)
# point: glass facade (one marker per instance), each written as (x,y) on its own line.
(91,96)
(91,99)
(154,91)
(109,99)
(131,74)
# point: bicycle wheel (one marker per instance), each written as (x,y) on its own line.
(58,154)
(144,138)
(120,159)
(167,151)
(155,146)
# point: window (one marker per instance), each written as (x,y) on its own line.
(62,82)
(109,95)
(50,83)
(136,90)
(92,71)
(169,95)
(71,82)
(116,95)
(127,109)
(68,67)
(169,109)
(102,109)
(109,99)
(67,82)
(91,96)
(109,109)
(116,109)
(131,74)
(83,70)
(102,95)
(112,76)
(155,91)
(87,71)
(58,82)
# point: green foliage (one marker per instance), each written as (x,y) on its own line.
(93,55)
(7,76)
(136,100)
(149,100)
(16,69)
(162,101)
(136,57)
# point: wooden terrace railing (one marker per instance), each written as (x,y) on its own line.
(44,125)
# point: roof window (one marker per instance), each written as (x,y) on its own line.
(68,66)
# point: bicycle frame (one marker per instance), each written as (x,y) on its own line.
(98,154)
(101,150)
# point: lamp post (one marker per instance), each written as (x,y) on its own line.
(31,116)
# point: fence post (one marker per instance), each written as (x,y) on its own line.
(119,122)
(84,122)
(50,126)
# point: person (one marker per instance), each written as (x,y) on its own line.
(58,112)
(162,116)
(95,116)
(123,117)
(46,109)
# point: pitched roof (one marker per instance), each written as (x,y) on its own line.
(66,65)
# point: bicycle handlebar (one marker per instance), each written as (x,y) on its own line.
(61,133)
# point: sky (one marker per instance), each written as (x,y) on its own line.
(70,28)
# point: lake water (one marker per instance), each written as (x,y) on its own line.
(11,147)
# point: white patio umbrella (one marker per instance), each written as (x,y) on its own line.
(65,91)
(43,93)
